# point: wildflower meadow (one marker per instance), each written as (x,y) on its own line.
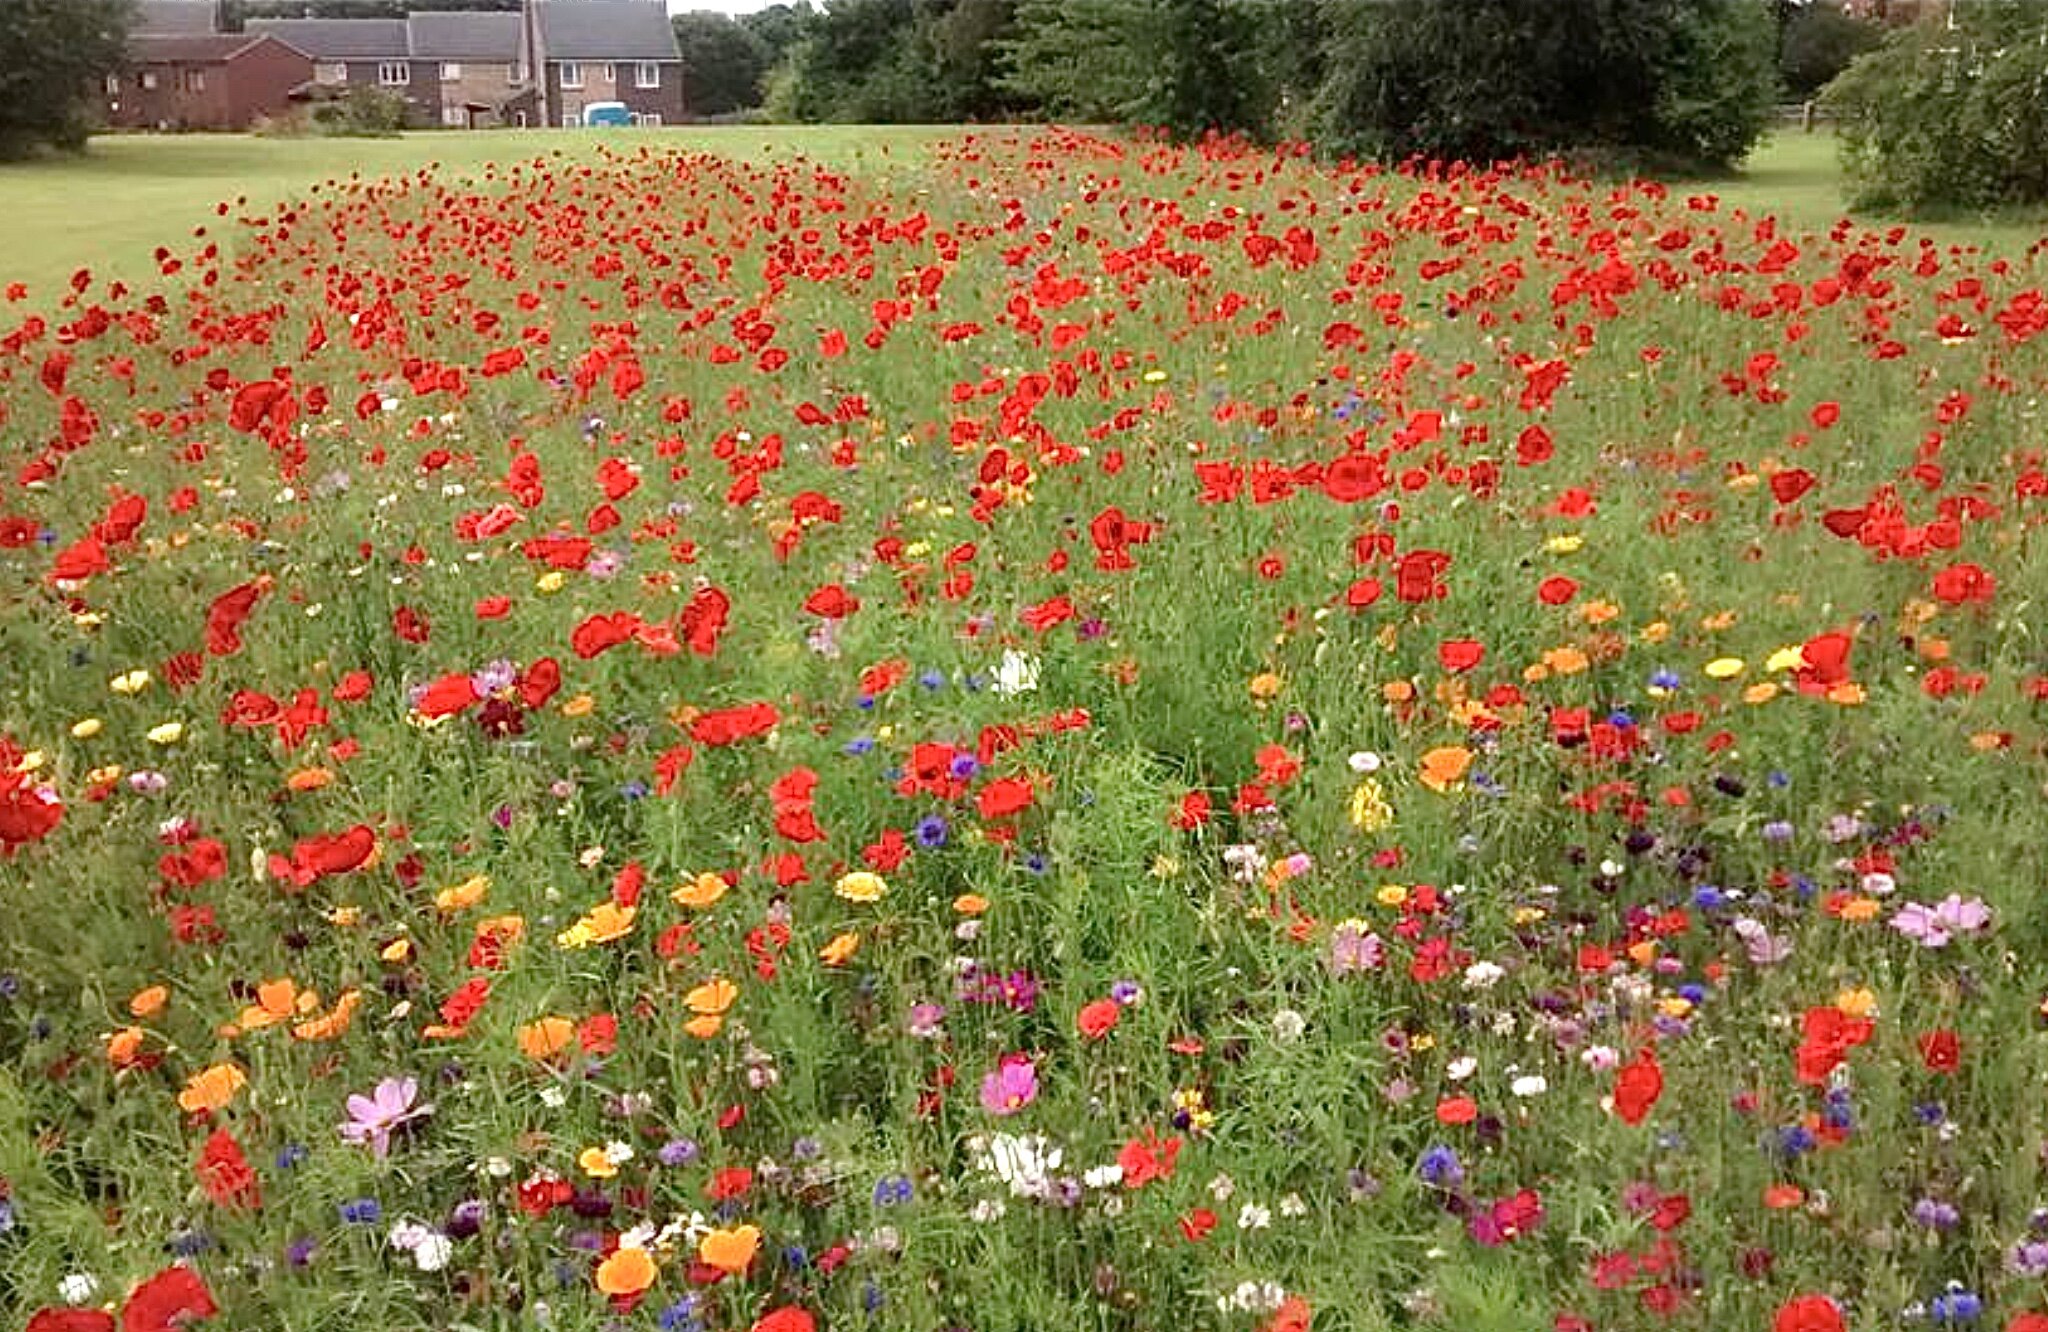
(1075,734)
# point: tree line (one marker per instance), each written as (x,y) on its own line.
(1940,103)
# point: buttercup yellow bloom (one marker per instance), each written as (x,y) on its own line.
(1391,895)
(457,896)
(580,706)
(700,892)
(85,729)
(1785,659)
(596,1163)
(861,886)
(551,581)
(1564,543)
(1724,668)
(840,950)
(169,733)
(133,682)
(1859,1002)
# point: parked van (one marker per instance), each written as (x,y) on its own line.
(606,113)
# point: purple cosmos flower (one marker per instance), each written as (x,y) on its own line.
(1011,1086)
(391,1106)
(1354,948)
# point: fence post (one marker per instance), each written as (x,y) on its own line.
(1806,116)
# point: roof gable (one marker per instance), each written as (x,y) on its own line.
(607,30)
(199,48)
(340,39)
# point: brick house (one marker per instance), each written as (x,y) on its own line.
(475,69)
(607,51)
(359,53)
(202,81)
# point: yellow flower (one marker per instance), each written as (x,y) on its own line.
(1564,543)
(134,682)
(970,904)
(1848,693)
(398,952)
(148,1001)
(1566,660)
(1761,692)
(1674,1005)
(1859,1002)
(603,923)
(580,706)
(1265,685)
(168,733)
(459,896)
(1655,632)
(1391,895)
(1527,915)
(1165,867)
(1370,811)
(860,886)
(1724,668)
(840,950)
(551,581)
(700,892)
(704,1026)
(1785,659)
(596,1162)
(85,729)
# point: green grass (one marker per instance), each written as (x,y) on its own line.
(129,194)
(109,209)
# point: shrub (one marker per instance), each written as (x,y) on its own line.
(362,113)
(1943,117)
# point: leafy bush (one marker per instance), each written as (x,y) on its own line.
(1481,80)
(1819,42)
(362,113)
(1942,118)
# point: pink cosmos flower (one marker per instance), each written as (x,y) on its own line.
(373,1118)
(1011,1086)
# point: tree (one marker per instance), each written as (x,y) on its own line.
(54,54)
(1479,80)
(1185,65)
(723,63)
(1940,118)
(780,27)
(1820,40)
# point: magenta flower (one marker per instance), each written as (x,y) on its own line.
(391,1106)
(1011,1086)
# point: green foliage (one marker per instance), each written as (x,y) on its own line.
(362,112)
(235,13)
(1489,79)
(1185,65)
(1819,41)
(724,62)
(53,53)
(1939,118)
(896,62)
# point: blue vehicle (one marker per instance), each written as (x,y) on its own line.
(606,113)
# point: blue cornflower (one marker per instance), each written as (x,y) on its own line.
(891,1190)
(1665,679)
(858,746)
(291,1155)
(931,831)
(362,1212)
(932,680)
(1440,1168)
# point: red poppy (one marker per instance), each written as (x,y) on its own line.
(1809,1313)
(1637,1087)
(1941,1051)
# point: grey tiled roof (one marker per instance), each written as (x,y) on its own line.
(482,37)
(607,30)
(198,48)
(340,39)
(184,18)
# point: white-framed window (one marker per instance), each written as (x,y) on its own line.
(646,74)
(195,80)
(519,119)
(334,71)
(651,119)
(394,73)
(113,85)
(611,73)
(571,119)
(572,74)
(148,79)
(454,117)
(450,71)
